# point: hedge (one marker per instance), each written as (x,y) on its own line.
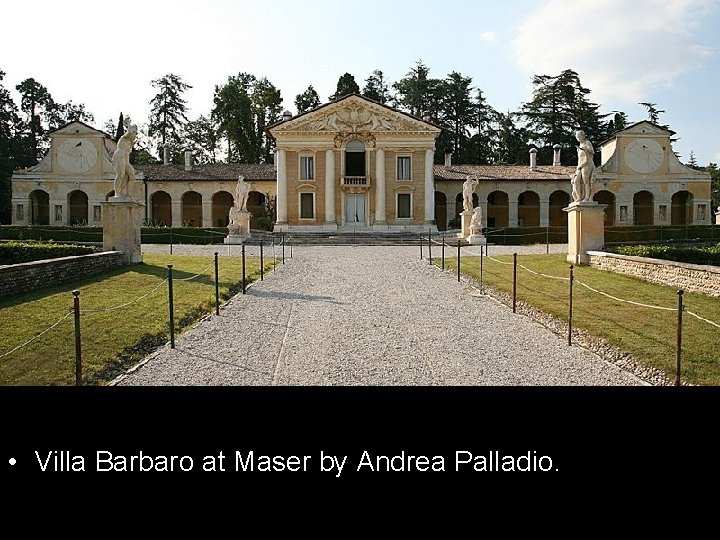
(150,235)
(22,252)
(682,253)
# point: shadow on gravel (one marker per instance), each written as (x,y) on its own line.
(293,296)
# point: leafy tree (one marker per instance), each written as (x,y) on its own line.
(10,127)
(59,114)
(618,122)
(511,140)
(692,162)
(243,108)
(560,107)
(480,148)
(202,135)
(457,111)
(267,109)
(417,93)
(110,127)
(346,85)
(307,101)
(376,87)
(169,111)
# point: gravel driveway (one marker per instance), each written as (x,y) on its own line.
(370,316)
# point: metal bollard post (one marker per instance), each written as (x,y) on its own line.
(430,245)
(217,287)
(547,240)
(679,336)
(570,305)
(262,263)
(170,306)
(78,348)
(171,242)
(443,252)
(274,258)
(514,282)
(244,286)
(458,257)
(481,267)
(291,249)
(421,248)
(283,249)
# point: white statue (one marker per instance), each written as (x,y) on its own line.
(242,193)
(468,190)
(476,222)
(124,171)
(583,177)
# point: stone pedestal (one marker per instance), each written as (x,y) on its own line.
(586,230)
(239,229)
(477,240)
(465,219)
(122,221)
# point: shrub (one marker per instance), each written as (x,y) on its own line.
(21,252)
(681,253)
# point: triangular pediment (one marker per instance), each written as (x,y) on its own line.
(354,114)
(646,128)
(78,128)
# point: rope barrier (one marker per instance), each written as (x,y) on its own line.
(116,308)
(28,342)
(198,275)
(702,318)
(544,275)
(649,306)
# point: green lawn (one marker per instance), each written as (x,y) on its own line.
(111,340)
(648,334)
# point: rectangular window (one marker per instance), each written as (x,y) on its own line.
(307,168)
(404,202)
(403,168)
(307,206)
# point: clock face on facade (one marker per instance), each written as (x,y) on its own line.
(77,155)
(644,155)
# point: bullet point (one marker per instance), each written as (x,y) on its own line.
(12,461)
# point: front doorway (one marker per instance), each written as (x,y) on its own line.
(355,211)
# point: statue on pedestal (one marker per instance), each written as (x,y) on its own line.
(582,179)
(239,218)
(468,190)
(124,171)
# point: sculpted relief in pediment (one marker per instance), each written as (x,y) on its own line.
(355,119)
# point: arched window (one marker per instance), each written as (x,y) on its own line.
(222,202)
(498,210)
(39,208)
(355,159)
(682,208)
(558,201)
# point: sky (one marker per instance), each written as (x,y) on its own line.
(105,55)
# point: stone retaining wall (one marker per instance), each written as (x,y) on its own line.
(689,277)
(19,278)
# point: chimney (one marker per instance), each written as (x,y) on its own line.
(287,115)
(188,160)
(448,158)
(533,159)
(556,158)
(166,154)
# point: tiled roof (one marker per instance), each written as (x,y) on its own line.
(214,171)
(503,172)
